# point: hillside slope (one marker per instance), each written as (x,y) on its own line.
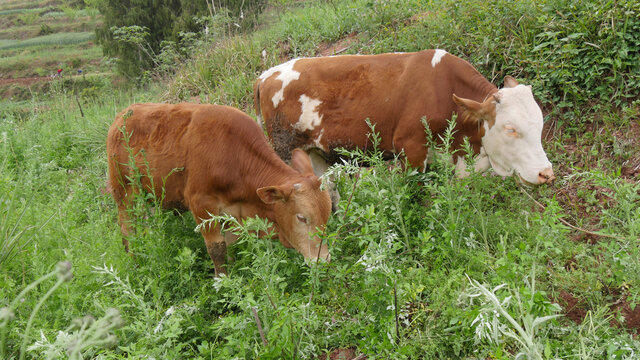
(39,37)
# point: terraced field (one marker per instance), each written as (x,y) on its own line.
(39,37)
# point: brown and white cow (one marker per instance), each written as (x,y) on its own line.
(216,160)
(320,104)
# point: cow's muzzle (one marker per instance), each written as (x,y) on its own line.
(546,176)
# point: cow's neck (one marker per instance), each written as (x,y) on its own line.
(265,169)
(472,85)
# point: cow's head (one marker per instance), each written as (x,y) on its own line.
(301,209)
(512,121)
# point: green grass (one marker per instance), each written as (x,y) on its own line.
(7,43)
(36,59)
(17,11)
(23,4)
(56,26)
(51,40)
(66,42)
(442,254)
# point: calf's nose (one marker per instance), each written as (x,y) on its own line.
(546,176)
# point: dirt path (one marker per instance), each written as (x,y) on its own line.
(24,80)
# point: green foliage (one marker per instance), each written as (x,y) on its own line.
(494,323)
(17,11)
(45,30)
(571,52)
(14,237)
(84,337)
(62,38)
(28,18)
(150,24)
(7,314)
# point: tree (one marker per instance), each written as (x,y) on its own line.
(134,30)
(136,46)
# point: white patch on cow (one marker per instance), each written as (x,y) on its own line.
(482,161)
(461,168)
(425,162)
(318,163)
(286,75)
(437,56)
(309,118)
(317,140)
(513,143)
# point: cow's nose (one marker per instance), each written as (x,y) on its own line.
(546,176)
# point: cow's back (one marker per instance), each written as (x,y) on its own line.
(325,101)
(172,142)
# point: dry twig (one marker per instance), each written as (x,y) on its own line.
(567,223)
(257,319)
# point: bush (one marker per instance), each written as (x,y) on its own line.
(135,32)
(45,29)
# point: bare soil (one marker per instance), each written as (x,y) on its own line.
(575,309)
(342,354)
(584,199)
(337,47)
(25,80)
(631,318)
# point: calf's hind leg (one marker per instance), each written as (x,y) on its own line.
(125,228)
(122,194)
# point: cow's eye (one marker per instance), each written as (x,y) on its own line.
(301,218)
(510,130)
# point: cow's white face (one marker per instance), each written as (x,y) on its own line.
(513,129)
(513,144)
(301,209)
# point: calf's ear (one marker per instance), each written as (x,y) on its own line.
(301,162)
(272,194)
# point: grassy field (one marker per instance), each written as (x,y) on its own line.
(37,38)
(424,265)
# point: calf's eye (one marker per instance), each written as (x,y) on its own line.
(301,218)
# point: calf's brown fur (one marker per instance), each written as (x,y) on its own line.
(215,160)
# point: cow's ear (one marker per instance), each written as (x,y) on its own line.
(476,112)
(301,162)
(272,194)
(510,82)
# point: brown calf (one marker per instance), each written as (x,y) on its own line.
(216,160)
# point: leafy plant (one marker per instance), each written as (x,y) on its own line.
(14,235)
(494,321)
(63,273)
(82,338)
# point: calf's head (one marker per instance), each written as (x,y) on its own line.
(512,121)
(301,209)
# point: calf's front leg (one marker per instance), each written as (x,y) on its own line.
(201,206)
(216,247)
